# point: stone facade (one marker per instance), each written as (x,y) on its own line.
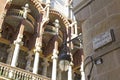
(98,17)
(32,36)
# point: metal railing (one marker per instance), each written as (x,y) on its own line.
(15,73)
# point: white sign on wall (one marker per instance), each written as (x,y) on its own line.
(102,39)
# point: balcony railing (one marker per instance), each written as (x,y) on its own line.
(19,13)
(18,74)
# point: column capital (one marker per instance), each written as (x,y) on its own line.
(37,48)
(18,42)
(55,51)
(55,54)
(19,39)
(38,45)
(71,63)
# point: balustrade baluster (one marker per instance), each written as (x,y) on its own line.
(4,71)
(30,77)
(27,76)
(36,78)
(22,78)
(18,74)
(8,70)
(33,77)
(13,73)
(1,70)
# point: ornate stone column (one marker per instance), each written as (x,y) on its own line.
(75,25)
(70,11)
(18,42)
(10,53)
(82,69)
(37,55)
(38,44)
(74,22)
(45,64)
(69,45)
(54,67)
(3,13)
(46,12)
(29,59)
(67,8)
(48,8)
(55,52)
(70,71)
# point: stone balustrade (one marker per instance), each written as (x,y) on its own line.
(18,74)
(19,13)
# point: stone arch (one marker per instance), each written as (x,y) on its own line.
(38,6)
(65,20)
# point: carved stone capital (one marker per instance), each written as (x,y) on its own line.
(19,40)
(71,63)
(38,47)
(54,57)
(55,54)
(55,51)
